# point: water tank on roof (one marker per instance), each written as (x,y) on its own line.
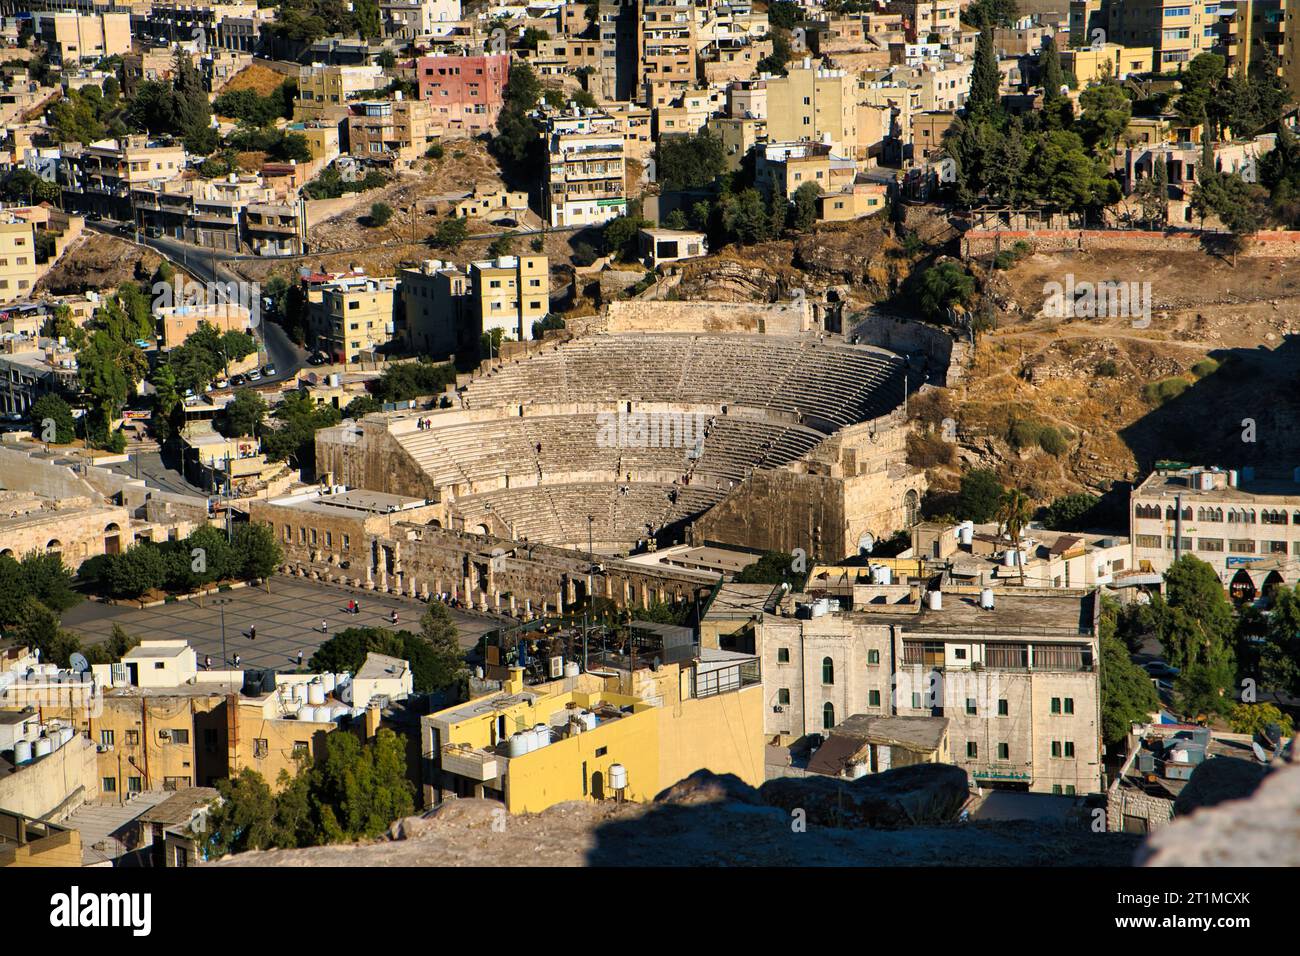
(43,747)
(306,713)
(986,599)
(966,532)
(1205,481)
(936,600)
(542,734)
(571,669)
(65,735)
(22,752)
(517,745)
(315,693)
(617,777)
(328,681)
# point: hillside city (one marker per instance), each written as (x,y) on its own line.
(649,432)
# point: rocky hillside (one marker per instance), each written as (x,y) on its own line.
(892,819)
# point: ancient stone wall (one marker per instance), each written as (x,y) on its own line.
(780,318)
(779,511)
(1266,245)
(947,355)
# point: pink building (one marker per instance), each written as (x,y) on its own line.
(466,91)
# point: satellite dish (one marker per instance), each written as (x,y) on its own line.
(79,663)
(1260,753)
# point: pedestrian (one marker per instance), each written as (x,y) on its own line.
(252,632)
(351,605)
(236,660)
(324,626)
(207,662)
(300,657)
(393,618)
(356,607)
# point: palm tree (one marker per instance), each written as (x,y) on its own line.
(1013,515)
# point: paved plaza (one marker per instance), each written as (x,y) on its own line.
(288,620)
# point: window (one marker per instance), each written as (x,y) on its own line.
(972,749)
(783,695)
(828,671)
(261,747)
(1003,708)
(1069,705)
(873,657)
(828,716)
(783,655)
(181,736)
(1056,748)
(106,738)
(299,748)
(1004,751)
(108,784)
(916,700)
(959,653)
(134,785)
(1069,749)
(970,706)
(133,738)
(601,751)
(1056,705)
(1209,544)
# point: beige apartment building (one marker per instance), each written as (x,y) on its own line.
(738,135)
(1018,681)
(17,257)
(511,293)
(814,104)
(436,313)
(351,315)
(1246,527)
(1177,30)
(73,37)
(666,46)
(1092,64)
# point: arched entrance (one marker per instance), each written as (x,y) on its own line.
(912,507)
(112,539)
(1242,588)
(1272,583)
(866,543)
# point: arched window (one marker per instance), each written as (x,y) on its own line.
(54,546)
(828,671)
(828,716)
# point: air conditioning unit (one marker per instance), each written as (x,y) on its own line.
(778,709)
(164,735)
(103,748)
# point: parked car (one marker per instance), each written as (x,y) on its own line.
(1161,670)
(316,359)
(237,380)
(268,368)
(254,375)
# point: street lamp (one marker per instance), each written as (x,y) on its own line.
(221,603)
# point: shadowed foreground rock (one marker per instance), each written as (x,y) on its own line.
(1261,830)
(1219,780)
(923,794)
(707,820)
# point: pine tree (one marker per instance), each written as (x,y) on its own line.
(1050,72)
(984,99)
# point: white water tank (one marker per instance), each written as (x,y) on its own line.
(617,777)
(322,715)
(885,575)
(43,748)
(315,693)
(328,682)
(1232,478)
(306,713)
(571,669)
(986,599)
(338,711)
(936,600)
(1009,558)
(588,719)
(1206,480)
(529,739)
(22,752)
(542,734)
(516,746)
(966,532)
(1182,756)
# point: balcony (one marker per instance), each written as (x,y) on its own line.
(472,763)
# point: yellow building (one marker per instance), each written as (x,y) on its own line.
(1094,64)
(17,258)
(511,293)
(601,735)
(813,103)
(739,135)
(852,202)
(351,315)
(323,91)
(1176,30)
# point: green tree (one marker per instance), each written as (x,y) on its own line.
(979,496)
(1014,513)
(1127,695)
(112,650)
(358,789)
(258,551)
(51,410)
(245,413)
(444,665)
(1255,719)
(689,162)
(380,213)
(775,567)
(984,99)
(49,580)
(1049,67)
(620,236)
(139,569)
(803,207)
(1068,512)
(244,819)
(451,232)
(944,286)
